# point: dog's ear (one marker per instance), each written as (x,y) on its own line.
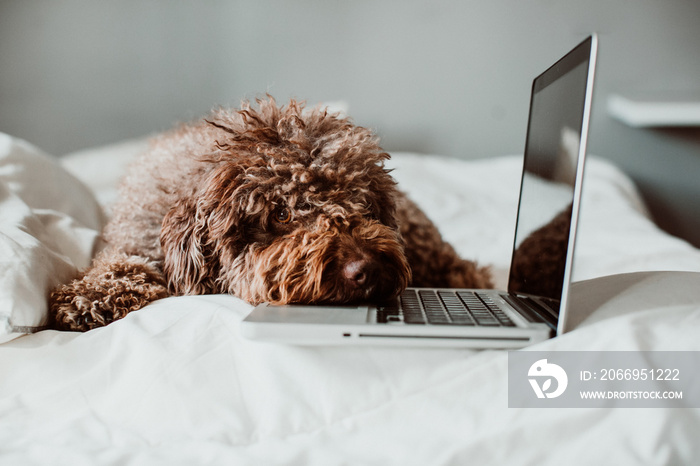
(188,264)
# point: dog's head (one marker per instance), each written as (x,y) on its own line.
(290,206)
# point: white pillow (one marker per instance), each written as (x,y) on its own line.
(49,228)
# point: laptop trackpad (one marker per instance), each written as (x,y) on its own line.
(301,314)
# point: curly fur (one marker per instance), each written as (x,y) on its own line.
(272,203)
(539,262)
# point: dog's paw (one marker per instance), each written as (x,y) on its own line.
(113,287)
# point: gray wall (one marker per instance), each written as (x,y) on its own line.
(449,77)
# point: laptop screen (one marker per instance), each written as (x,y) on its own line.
(557,126)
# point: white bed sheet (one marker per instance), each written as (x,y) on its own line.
(174,383)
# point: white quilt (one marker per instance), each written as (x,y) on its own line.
(175,383)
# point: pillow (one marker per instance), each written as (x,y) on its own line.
(49,228)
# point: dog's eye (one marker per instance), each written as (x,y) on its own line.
(283,215)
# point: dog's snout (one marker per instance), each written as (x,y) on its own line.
(358,272)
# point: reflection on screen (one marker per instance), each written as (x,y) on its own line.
(551,152)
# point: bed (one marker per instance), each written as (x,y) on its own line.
(175,383)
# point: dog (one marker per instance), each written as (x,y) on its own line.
(539,261)
(269,203)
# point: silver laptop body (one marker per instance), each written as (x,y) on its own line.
(535,306)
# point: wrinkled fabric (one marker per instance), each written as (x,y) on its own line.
(49,228)
(175,383)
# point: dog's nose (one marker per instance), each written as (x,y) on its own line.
(357,272)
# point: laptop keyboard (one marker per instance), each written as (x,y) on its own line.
(444,308)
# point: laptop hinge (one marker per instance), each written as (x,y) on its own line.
(531,310)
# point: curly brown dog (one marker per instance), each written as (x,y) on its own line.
(266,203)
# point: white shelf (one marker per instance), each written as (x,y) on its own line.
(651,110)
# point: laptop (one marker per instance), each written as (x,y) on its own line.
(535,305)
